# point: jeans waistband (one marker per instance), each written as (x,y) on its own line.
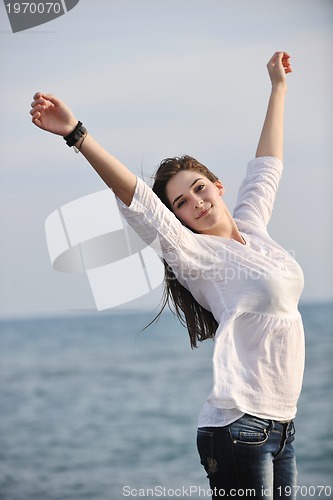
(276,424)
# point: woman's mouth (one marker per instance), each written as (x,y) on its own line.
(204,212)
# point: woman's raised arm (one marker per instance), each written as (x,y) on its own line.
(52,115)
(271,138)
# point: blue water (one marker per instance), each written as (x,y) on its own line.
(89,405)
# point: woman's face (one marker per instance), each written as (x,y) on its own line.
(197,202)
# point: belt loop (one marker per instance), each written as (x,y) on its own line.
(290,426)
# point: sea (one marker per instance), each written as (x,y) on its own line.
(92,407)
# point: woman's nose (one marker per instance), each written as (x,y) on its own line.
(198,202)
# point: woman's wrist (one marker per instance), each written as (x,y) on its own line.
(70,127)
(280,87)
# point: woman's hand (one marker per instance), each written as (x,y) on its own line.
(278,66)
(51,114)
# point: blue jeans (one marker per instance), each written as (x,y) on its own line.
(250,454)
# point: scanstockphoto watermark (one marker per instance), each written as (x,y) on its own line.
(186,492)
(228,267)
(199,491)
(26,15)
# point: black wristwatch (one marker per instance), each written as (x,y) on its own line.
(74,136)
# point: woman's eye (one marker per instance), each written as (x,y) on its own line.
(180,204)
(200,187)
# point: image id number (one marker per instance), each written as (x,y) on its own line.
(305,491)
(34,8)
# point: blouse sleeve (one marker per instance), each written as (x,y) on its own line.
(158,227)
(257,192)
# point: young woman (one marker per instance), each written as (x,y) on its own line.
(230,281)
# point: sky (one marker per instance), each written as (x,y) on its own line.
(155,79)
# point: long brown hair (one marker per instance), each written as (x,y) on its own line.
(200,323)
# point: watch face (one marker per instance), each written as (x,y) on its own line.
(80,132)
(77,134)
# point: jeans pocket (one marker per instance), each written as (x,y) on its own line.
(249,430)
(205,444)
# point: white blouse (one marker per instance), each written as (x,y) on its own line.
(252,290)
